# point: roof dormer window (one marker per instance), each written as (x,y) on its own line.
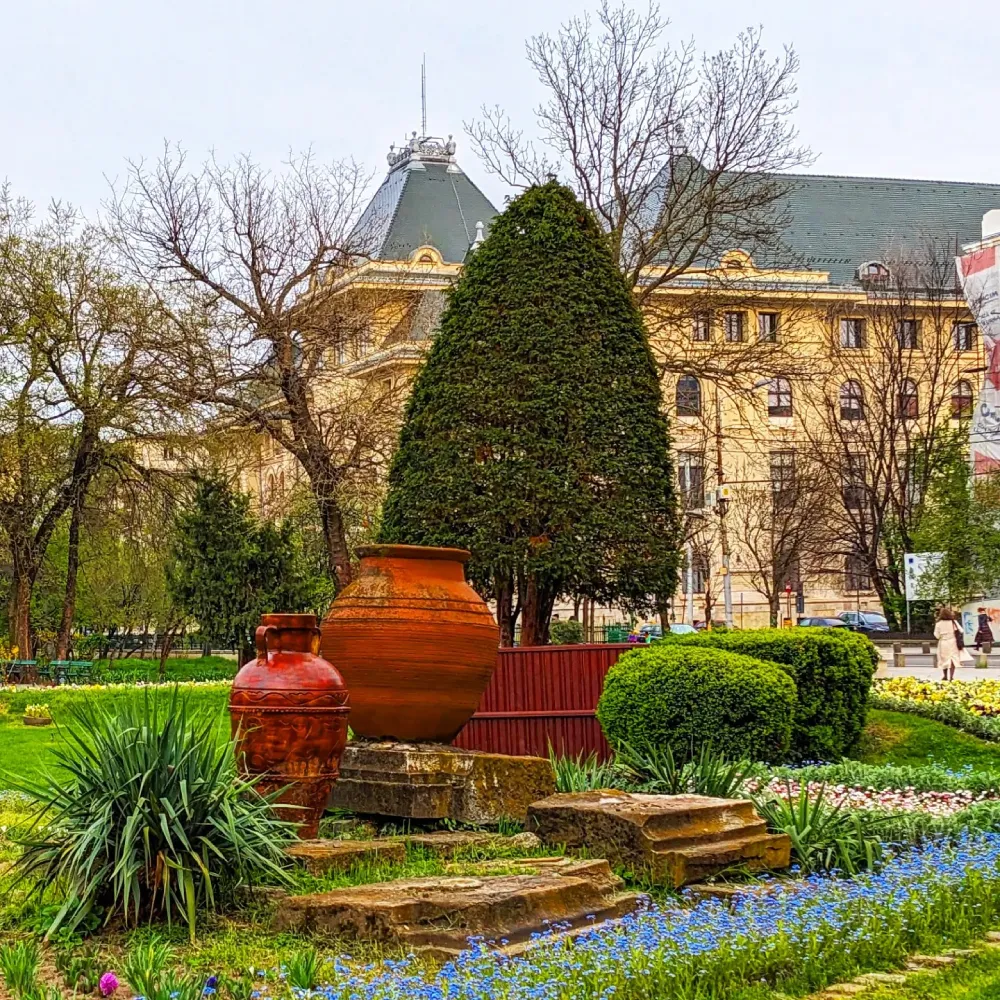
(873,272)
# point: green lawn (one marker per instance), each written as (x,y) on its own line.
(25,750)
(902,739)
(176,668)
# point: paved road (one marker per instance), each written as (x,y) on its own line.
(920,664)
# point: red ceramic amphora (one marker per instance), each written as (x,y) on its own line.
(289,712)
(416,644)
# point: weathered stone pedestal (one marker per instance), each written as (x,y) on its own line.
(438,915)
(676,838)
(427,781)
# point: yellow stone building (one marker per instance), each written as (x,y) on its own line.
(843,349)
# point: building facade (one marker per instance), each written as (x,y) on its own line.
(802,389)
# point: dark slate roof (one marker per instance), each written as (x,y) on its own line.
(424,202)
(838,223)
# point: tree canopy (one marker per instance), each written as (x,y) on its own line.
(534,435)
(229,568)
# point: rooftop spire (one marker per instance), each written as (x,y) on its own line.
(423,97)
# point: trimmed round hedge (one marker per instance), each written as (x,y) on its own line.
(666,695)
(832,670)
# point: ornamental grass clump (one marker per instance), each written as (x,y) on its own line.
(145,817)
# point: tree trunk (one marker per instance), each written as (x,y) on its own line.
(536,613)
(24,570)
(168,641)
(505,612)
(663,610)
(337,554)
(72,570)
(774,604)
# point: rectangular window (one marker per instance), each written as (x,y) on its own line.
(854,481)
(691,479)
(340,352)
(856,575)
(701,328)
(734,324)
(779,398)
(852,332)
(782,474)
(908,334)
(767,328)
(963,336)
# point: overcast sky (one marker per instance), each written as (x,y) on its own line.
(891,88)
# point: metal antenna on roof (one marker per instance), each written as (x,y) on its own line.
(423,96)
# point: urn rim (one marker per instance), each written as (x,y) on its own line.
(394,551)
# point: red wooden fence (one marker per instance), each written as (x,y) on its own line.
(541,695)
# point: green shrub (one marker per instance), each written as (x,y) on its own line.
(832,671)
(566,632)
(664,695)
(146,816)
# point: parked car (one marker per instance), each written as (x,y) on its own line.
(680,628)
(864,621)
(822,623)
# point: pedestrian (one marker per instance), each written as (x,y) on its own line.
(946,631)
(983,631)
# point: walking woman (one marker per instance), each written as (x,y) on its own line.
(946,633)
(983,631)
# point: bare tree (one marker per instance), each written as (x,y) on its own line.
(252,269)
(71,337)
(895,384)
(674,151)
(782,526)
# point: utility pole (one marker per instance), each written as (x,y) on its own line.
(721,507)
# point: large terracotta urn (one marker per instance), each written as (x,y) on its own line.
(289,711)
(415,643)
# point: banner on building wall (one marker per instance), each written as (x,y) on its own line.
(979,273)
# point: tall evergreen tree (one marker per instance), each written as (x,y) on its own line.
(535,435)
(229,568)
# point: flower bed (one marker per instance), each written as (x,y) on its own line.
(981,697)
(805,934)
(891,800)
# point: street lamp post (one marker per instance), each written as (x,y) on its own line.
(722,506)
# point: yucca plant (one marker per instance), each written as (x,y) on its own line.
(583,774)
(824,836)
(655,769)
(146,816)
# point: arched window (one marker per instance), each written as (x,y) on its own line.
(269,495)
(909,400)
(961,400)
(852,401)
(779,398)
(688,397)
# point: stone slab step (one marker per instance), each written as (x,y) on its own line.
(319,857)
(442,913)
(677,838)
(322,856)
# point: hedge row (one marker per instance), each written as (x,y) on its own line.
(659,696)
(833,673)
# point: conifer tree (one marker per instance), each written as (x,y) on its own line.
(229,568)
(535,435)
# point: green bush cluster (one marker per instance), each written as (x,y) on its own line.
(566,632)
(665,695)
(832,671)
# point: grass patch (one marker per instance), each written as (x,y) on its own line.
(909,740)
(177,668)
(25,751)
